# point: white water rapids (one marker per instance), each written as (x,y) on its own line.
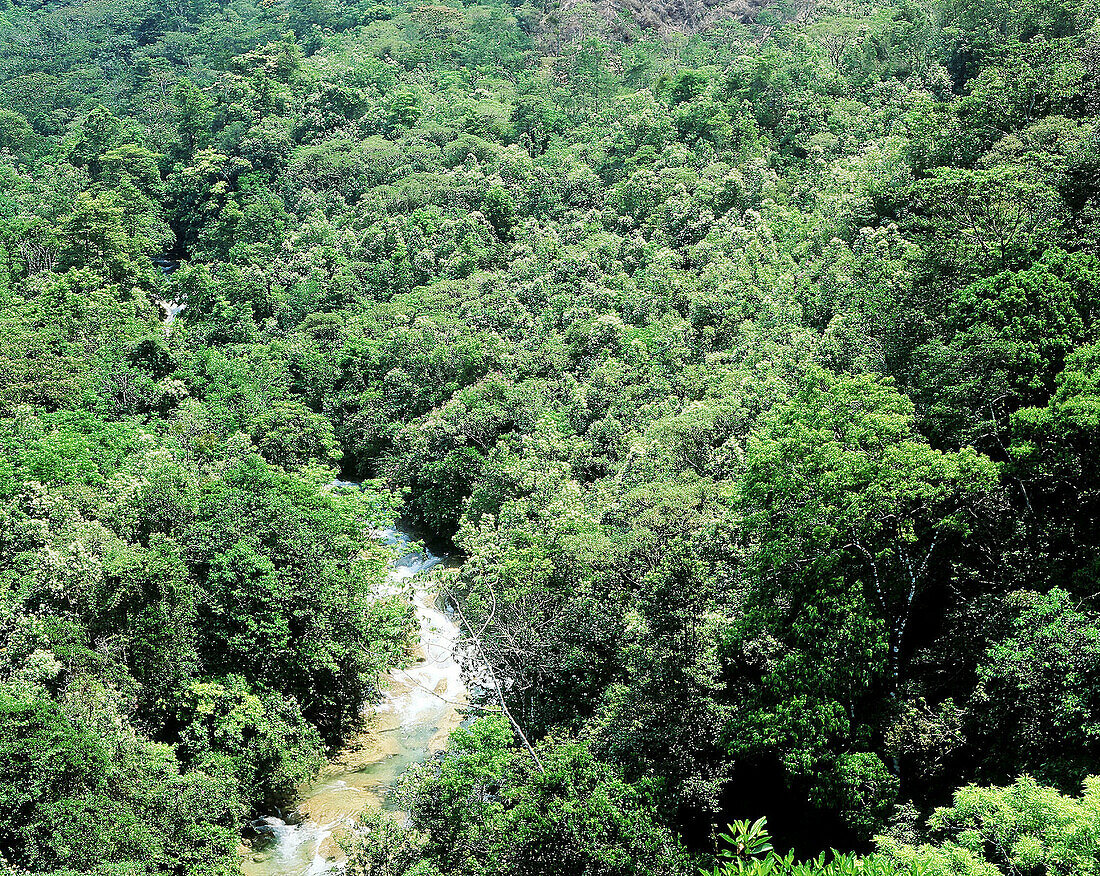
(422,704)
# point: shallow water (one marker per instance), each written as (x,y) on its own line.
(423,703)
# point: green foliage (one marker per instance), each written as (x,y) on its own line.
(15,130)
(747,849)
(271,748)
(748,357)
(1010,337)
(1038,680)
(74,798)
(1019,828)
(487,807)
(745,840)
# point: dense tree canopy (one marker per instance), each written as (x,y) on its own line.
(747,356)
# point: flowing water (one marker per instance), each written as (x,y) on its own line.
(422,704)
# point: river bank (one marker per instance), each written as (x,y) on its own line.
(421,706)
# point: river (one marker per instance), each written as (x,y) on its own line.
(421,706)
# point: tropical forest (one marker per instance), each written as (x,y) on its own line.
(550,437)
